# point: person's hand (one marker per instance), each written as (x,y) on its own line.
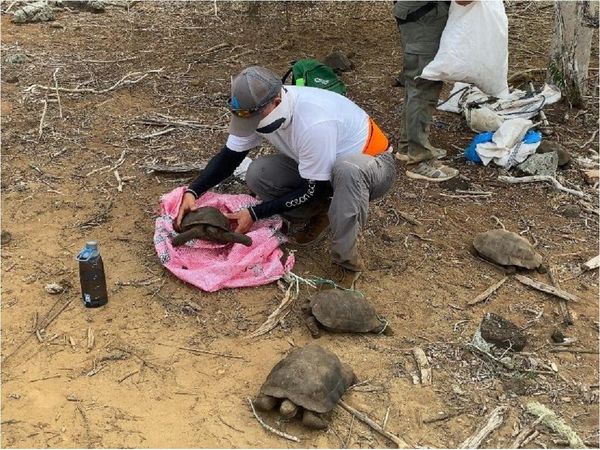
(188,203)
(464,3)
(244,220)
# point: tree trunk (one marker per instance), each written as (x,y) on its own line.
(571,49)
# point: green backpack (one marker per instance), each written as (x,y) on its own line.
(313,73)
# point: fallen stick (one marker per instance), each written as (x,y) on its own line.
(564,309)
(401,443)
(525,72)
(592,263)
(118,177)
(536,178)
(42,117)
(495,419)
(409,218)
(557,425)
(589,141)
(422,365)
(97,170)
(179,168)
(489,291)
(199,350)
(270,428)
(547,288)
(123,81)
(280,312)
(525,432)
(151,135)
(573,350)
(57,93)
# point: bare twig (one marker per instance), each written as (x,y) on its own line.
(495,419)
(57,92)
(422,365)
(40,129)
(123,81)
(489,291)
(199,350)
(590,140)
(547,288)
(564,309)
(409,218)
(280,312)
(151,135)
(401,443)
(119,181)
(525,432)
(536,178)
(270,428)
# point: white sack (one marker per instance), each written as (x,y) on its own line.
(474,47)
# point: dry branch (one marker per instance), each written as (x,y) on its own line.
(270,428)
(495,419)
(57,92)
(123,81)
(547,288)
(422,365)
(525,433)
(537,178)
(564,308)
(401,443)
(280,312)
(489,291)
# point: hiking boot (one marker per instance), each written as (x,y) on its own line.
(313,231)
(343,278)
(438,153)
(431,171)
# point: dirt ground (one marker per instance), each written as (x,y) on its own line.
(135,385)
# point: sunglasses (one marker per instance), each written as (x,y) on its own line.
(245,113)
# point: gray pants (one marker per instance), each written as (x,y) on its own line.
(356,179)
(420,41)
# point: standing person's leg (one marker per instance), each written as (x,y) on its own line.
(273,176)
(357,179)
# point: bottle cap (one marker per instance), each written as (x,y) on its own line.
(91,245)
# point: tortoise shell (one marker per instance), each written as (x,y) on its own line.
(210,224)
(346,311)
(310,377)
(507,249)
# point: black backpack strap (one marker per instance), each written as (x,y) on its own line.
(417,14)
(287,74)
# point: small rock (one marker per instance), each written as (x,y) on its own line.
(33,12)
(14,395)
(501,332)
(5,237)
(558,336)
(570,211)
(540,164)
(73,398)
(338,61)
(564,157)
(58,26)
(16,58)
(11,79)
(94,6)
(54,288)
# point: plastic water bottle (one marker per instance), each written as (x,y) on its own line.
(91,275)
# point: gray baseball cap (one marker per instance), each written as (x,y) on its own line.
(251,90)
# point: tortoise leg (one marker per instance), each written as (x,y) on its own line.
(217,235)
(311,419)
(288,409)
(310,321)
(348,375)
(265,402)
(182,238)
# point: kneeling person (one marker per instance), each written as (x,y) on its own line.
(333,159)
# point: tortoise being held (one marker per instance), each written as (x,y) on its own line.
(507,249)
(343,311)
(309,378)
(208,224)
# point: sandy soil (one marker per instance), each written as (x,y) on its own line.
(135,385)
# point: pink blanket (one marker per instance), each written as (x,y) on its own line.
(211,266)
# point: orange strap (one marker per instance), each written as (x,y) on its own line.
(376,141)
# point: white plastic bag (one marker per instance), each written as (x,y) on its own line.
(474,47)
